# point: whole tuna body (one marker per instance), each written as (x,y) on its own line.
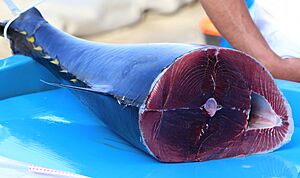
(176,102)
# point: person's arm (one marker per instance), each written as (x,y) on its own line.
(233,21)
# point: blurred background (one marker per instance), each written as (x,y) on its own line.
(114,21)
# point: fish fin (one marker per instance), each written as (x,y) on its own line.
(121,99)
(60,85)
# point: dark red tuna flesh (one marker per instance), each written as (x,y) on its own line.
(213,104)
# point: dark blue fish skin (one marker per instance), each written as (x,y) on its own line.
(125,71)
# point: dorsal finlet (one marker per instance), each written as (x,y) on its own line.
(55,61)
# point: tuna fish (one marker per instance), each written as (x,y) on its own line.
(176,102)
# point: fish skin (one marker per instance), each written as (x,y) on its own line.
(83,59)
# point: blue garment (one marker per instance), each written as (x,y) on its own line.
(224,42)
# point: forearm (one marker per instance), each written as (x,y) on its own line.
(232,19)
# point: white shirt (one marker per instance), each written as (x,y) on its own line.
(279,23)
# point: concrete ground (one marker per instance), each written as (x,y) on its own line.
(182,26)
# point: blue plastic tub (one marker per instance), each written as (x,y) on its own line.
(49,127)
